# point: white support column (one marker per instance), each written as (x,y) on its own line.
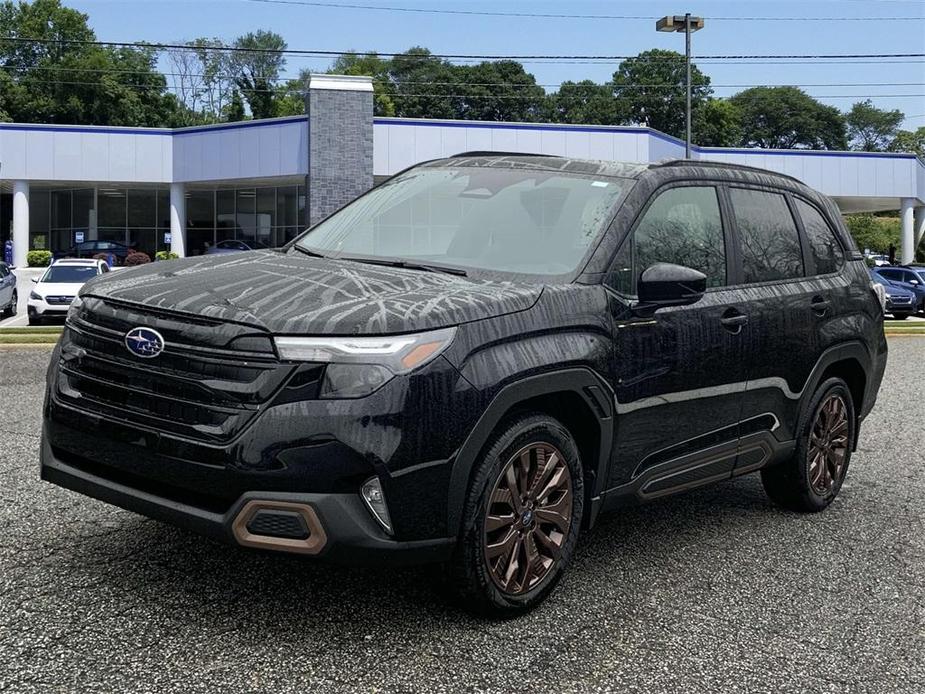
(906,233)
(178,219)
(20,222)
(918,225)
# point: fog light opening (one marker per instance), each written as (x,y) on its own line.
(371,491)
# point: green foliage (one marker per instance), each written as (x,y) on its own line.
(137,258)
(583,102)
(872,129)
(717,123)
(73,82)
(788,118)
(639,85)
(909,141)
(874,233)
(372,65)
(38,258)
(165,255)
(256,72)
(234,112)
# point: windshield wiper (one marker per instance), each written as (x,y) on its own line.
(408,264)
(313,254)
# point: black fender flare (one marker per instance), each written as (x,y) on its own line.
(582,381)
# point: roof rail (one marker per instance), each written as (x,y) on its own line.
(722,165)
(487,153)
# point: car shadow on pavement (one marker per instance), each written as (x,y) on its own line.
(197,581)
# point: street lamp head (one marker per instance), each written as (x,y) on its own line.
(678,23)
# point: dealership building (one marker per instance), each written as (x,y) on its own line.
(263,181)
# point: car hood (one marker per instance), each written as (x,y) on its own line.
(296,294)
(57,288)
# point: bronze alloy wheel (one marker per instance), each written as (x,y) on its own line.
(828,444)
(528,518)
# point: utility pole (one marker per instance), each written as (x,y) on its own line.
(688,25)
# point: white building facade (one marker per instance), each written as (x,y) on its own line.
(186,189)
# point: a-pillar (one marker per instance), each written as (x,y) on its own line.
(907,233)
(178,219)
(20,222)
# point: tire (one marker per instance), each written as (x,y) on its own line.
(35,320)
(799,484)
(900,316)
(526,445)
(14,303)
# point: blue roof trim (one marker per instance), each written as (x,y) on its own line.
(802,152)
(163,132)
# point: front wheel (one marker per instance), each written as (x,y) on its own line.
(521,519)
(812,478)
(10,310)
(900,316)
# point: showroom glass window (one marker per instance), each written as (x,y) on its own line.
(768,236)
(682,226)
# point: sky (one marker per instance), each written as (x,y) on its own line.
(837,82)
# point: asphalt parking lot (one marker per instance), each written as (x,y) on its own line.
(715,590)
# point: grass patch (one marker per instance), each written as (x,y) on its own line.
(46,339)
(50,330)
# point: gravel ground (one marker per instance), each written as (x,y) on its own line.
(714,590)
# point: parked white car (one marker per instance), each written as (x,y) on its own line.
(55,290)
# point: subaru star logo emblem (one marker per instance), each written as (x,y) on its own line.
(144,342)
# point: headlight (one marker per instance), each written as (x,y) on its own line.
(361,365)
(36,296)
(74,307)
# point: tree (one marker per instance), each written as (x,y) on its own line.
(874,233)
(370,65)
(497,91)
(872,129)
(909,141)
(424,86)
(717,123)
(67,79)
(256,63)
(788,118)
(234,110)
(584,102)
(651,87)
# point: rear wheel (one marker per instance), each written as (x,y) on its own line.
(812,478)
(521,519)
(10,310)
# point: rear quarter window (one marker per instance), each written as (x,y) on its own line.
(827,252)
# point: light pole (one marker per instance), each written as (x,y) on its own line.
(688,25)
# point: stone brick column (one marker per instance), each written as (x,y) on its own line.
(340,142)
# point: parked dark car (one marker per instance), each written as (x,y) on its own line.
(555,338)
(900,302)
(9,298)
(904,277)
(88,249)
(234,246)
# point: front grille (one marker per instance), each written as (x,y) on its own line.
(193,389)
(901,300)
(59,300)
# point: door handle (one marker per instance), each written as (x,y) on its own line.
(733,321)
(819,305)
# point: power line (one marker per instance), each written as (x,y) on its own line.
(548,15)
(448,56)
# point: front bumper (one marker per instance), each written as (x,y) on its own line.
(345,531)
(37,308)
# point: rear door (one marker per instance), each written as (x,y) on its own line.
(678,375)
(791,285)
(7,284)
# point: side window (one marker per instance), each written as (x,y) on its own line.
(893,275)
(826,250)
(768,236)
(104,267)
(682,226)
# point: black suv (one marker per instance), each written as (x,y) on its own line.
(472,361)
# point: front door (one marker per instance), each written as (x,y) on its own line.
(678,375)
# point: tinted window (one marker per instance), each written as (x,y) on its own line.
(767,235)
(895,275)
(69,274)
(683,226)
(826,250)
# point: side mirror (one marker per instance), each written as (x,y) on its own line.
(35,280)
(664,284)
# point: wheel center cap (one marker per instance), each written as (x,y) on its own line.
(527,518)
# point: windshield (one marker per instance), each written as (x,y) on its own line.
(69,274)
(509,220)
